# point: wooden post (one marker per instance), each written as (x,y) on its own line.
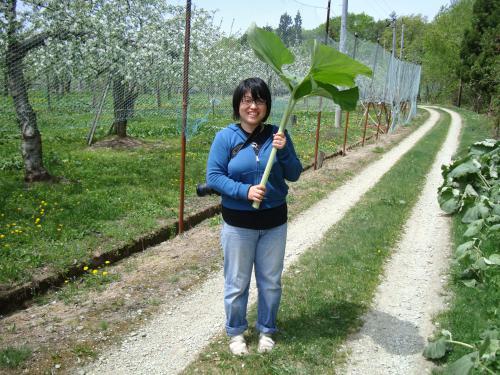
(388,118)
(316,144)
(90,136)
(366,123)
(185,97)
(379,119)
(345,132)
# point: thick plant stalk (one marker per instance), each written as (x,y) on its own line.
(269,165)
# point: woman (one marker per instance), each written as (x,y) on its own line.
(251,237)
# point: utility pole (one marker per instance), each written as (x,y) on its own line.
(393,25)
(327,26)
(318,124)
(402,41)
(342,48)
(185,98)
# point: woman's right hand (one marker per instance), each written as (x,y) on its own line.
(256,193)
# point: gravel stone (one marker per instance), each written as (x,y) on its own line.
(393,337)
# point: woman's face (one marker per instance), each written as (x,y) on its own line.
(252,111)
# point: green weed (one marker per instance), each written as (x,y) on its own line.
(12,357)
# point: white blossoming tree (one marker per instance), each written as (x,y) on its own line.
(24,29)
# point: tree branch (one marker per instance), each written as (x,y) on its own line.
(37,40)
(33,42)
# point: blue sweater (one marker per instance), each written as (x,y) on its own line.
(234,177)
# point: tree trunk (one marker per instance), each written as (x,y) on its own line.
(123,102)
(120,120)
(158,93)
(49,99)
(459,100)
(5,83)
(67,87)
(93,86)
(31,139)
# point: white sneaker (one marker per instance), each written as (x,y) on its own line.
(266,343)
(237,345)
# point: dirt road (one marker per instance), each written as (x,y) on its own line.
(178,333)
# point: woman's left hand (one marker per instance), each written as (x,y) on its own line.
(279,141)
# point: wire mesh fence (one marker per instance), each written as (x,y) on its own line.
(120,71)
(77,71)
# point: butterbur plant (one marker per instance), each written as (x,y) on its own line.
(471,187)
(483,355)
(329,70)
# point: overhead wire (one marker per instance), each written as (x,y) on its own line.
(307,5)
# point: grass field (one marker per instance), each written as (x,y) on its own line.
(109,196)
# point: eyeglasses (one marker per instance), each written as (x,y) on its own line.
(247,101)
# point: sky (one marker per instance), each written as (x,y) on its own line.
(234,15)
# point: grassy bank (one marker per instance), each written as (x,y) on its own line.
(329,288)
(471,310)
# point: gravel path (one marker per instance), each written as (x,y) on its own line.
(170,341)
(395,330)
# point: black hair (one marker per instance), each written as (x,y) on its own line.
(259,90)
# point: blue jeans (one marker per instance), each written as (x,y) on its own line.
(244,248)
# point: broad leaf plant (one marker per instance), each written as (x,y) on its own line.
(329,70)
(471,187)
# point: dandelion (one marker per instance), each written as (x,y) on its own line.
(37,220)
(85,268)
(104,273)
(107,262)
(66,281)
(94,272)
(2,235)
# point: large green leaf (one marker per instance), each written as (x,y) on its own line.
(269,48)
(483,147)
(472,283)
(436,349)
(474,228)
(346,99)
(449,200)
(493,259)
(333,67)
(464,365)
(471,166)
(477,211)
(463,248)
(496,209)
